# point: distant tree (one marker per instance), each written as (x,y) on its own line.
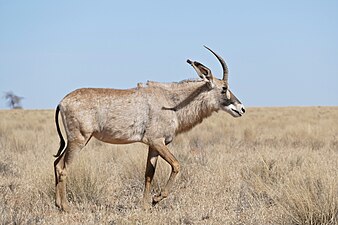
(13,101)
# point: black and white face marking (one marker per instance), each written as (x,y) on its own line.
(230,103)
(226,92)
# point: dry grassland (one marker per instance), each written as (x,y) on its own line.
(272,166)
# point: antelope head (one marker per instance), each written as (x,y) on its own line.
(227,100)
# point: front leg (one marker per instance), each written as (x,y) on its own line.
(149,175)
(164,152)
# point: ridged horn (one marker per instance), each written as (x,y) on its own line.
(224,65)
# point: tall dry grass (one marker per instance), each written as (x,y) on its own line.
(273,166)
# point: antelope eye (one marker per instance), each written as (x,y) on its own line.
(224,90)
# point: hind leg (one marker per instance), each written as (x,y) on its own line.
(61,168)
(149,175)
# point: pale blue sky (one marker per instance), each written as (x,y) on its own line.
(280,53)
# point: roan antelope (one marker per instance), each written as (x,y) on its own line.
(153,114)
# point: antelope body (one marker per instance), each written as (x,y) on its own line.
(152,114)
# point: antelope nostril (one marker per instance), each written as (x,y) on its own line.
(243,110)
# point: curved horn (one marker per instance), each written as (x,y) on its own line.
(224,65)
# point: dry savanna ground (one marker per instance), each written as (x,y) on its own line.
(272,166)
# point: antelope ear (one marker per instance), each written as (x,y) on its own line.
(202,71)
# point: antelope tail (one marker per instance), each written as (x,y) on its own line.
(62,141)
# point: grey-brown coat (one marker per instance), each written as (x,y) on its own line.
(152,113)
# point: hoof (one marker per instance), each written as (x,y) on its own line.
(158,198)
(65,208)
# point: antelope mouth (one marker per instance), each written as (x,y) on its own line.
(236,112)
